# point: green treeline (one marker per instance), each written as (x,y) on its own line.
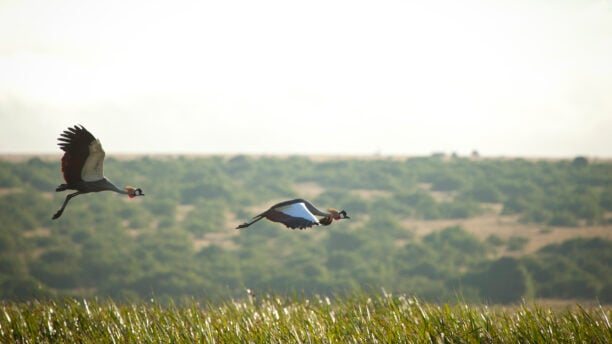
(179,242)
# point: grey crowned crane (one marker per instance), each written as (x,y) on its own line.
(82,166)
(298,213)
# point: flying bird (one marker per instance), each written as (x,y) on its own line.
(82,166)
(298,213)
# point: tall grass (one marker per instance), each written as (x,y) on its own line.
(357,319)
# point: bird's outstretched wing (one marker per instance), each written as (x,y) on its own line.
(94,164)
(294,215)
(290,221)
(83,159)
(313,210)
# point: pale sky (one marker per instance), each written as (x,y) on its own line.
(505,78)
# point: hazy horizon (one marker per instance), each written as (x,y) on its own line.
(503,78)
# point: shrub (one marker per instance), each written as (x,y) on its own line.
(516,243)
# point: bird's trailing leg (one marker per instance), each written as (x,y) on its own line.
(246,224)
(68,198)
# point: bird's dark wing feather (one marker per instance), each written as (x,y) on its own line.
(311,208)
(286,203)
(314,210)
(75,144)
(289,221)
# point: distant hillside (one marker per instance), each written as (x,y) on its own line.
(436,226)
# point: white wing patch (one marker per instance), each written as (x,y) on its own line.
(298,210)
(93,169)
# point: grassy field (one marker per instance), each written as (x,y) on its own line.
(354,319)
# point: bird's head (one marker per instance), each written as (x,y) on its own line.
(133,192)
(338,215)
